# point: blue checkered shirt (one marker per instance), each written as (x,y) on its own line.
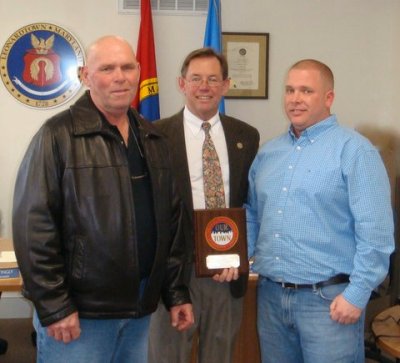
(320,205)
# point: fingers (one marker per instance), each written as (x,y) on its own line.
(227,274)
(65,330)
(343,312)
(64,335)
(182,316)
(184,323)
(235,274)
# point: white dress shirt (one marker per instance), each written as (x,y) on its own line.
(194,138)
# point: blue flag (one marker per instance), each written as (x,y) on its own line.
(213,35)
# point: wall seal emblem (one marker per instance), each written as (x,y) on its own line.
(39,65)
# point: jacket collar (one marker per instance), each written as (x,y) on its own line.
(87,119)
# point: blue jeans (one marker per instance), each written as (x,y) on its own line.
(101,341)
(294,326)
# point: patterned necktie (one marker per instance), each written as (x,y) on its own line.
(212,175)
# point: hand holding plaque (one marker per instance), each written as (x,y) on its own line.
(220,240)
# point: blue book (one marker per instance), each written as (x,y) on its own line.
(9,273)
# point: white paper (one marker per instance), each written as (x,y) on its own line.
(243,60)
(7,257)
(222,261)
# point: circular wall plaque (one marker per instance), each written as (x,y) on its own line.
(39,65)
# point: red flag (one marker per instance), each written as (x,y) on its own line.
(146,100)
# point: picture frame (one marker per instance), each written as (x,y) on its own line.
(247,56)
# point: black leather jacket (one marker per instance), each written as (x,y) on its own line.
(73,221)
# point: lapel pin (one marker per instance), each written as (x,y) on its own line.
(239,145)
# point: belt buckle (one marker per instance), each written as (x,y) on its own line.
(287,285)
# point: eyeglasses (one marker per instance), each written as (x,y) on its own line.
(197,81)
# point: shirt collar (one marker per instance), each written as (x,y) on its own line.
(194,123)
(313,132)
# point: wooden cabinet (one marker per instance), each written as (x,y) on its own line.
(247,349)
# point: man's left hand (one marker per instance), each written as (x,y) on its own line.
(182,316)
(343,312)
(227,274)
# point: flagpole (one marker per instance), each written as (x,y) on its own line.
(213,34)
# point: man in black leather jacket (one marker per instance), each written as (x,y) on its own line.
(97,222)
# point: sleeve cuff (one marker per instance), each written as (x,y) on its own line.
(357,296)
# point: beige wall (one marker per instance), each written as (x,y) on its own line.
(359,39)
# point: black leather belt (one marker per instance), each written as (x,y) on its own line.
(338,279)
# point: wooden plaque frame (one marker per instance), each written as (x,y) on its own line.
(218,233)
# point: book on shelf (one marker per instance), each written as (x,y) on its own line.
(8,262)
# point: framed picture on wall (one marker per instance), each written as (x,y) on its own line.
(247,56)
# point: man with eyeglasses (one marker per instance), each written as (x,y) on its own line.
(217,301)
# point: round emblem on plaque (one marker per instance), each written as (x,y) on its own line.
(221,233)
(39,65)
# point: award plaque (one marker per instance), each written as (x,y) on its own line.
(220,240)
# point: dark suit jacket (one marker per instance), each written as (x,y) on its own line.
(242,142)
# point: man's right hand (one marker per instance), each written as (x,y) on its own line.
(66,330)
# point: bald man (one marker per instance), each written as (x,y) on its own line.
(96,220)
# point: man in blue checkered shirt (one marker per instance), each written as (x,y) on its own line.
(320,228)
